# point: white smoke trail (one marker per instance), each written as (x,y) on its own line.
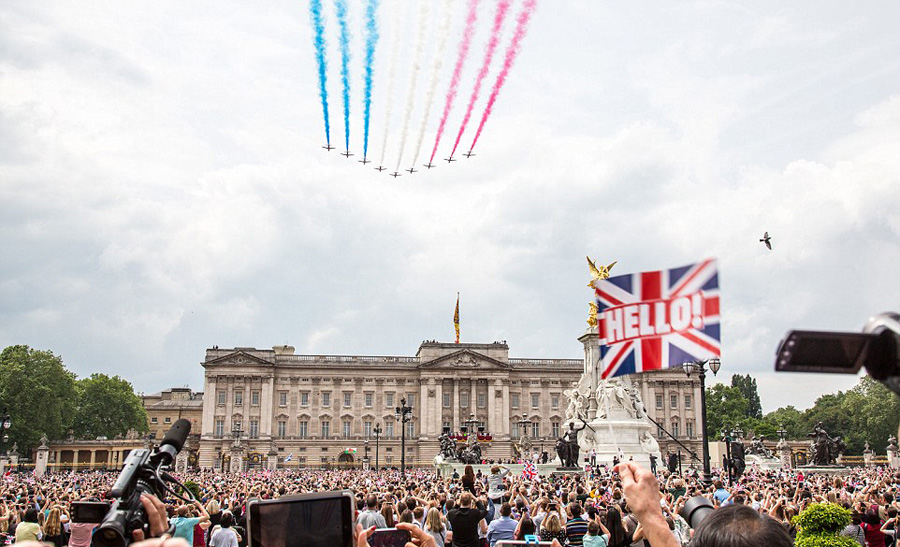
(443,35)
(414,77)
(392,68)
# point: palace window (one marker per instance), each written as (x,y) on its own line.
(689,429)
(687,401)
(254,428)
(326,399)
(347,427)
(446,398)
(326,429)
(219,429)
(464,399)
(535,400)
(673,401)
(254,398)
(238,397)
(389,400)
(220,397)
(153,420)
(282,398)
(446,425)
(389,429)
(554,428)
(660,432)
(411,400)
(367,428)
(368,399)
(675,429)
(554,401)
(304,398)
(303,429)
(282,428)
(514,400)
(167,420)
(482,399)
(535,430)
(514,431)
(659,401)
(348,399)
(410,430)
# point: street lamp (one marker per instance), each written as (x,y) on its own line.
(5,423)
(699,366)
(377,432)
(366,457)
(782,433)
(524,422)
(402,413)
(727,436)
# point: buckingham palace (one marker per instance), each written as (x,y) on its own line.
(274,408)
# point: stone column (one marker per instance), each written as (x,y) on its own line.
(439,406)
(272,459)
(456,425)
(75,458)
(784,454)
(237,460)
(491,420)
(42,458)
(93,457)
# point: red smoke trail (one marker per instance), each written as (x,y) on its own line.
(511,53)
(502,10)
(454,81)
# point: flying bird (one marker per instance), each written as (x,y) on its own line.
(767,239)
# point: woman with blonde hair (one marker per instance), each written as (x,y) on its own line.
(434,526)
(53,530)
(552,529)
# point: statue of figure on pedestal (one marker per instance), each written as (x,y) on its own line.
(570,445)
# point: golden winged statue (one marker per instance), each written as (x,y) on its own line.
(598,274)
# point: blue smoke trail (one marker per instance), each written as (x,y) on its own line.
(371,40)
(341,7)
(315,13)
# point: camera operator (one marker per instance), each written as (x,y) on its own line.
(734,525)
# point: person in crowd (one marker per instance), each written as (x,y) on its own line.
(466,520)
(371,516)
(225,535)
(184,523)
(435,527)
(551,527)
(503,527)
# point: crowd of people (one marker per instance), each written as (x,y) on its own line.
(621,507)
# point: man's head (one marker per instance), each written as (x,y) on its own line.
(740,526)
(371,501)
(465,500)
(505,510)
(575,509)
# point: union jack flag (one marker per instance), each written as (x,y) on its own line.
(654,320)
(529,471)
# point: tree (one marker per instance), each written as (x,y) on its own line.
(788,418)
(725,407)
(38,392)
(107,407)
(747,385)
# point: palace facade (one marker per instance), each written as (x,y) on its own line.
(273,408)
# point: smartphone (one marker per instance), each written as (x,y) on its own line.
(89,511)
(389,537)
(319,519)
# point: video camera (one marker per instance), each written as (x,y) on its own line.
(144,471)
(877,348)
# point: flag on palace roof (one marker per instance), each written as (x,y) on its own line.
(661,319)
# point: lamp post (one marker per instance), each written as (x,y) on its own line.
(366,457)
(5,423)
(377,432)
(402,413)
(699,366)
(727,436)
(524,422)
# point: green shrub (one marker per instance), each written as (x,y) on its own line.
(819,525)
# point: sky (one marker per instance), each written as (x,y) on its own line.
(163,188)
